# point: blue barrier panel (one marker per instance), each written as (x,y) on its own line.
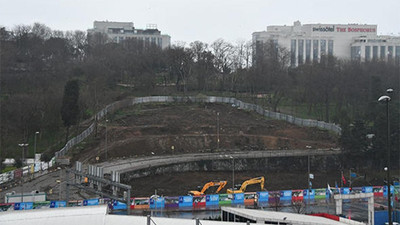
(118,205)
(367,189)
(307,192)
(23,205)
(385,190)
(212,200)
(286,195)
(58,204)
(171,202)
(344,190)
(185,201)
(89,202)
(238,198)
(262,196)
(158,203)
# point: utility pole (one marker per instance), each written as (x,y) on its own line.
(217,130)
(22,145)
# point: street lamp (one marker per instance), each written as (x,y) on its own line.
(22,145)
(106,142)
(217,130)
(386,99)
(34,149)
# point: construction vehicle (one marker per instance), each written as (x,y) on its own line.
(242,189)
(221,185)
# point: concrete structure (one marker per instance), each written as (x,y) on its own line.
(120,31)
(272,217)
(90,215)
(310,42)
(370,196)
(33,196)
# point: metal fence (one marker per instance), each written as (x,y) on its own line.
(196,99)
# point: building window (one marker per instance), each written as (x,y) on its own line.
(356,53)
(397,54)
(390,53)
(315,50)
(293,53)
(323,47)
(308,51)
(159,42)
(375,52)
(330,47)
(153,40)
(301,52)
(367,53)
(383,52)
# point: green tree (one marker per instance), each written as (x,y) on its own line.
(70,107)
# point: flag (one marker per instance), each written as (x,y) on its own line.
(329,189)
(336,185)
(343,179)
(353,175)
(311,176)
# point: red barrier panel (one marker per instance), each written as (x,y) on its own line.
(326,215)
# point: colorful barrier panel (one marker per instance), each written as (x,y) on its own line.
(140,203)
(297,195)
(212,200)
(171,202)
(90,202)
(385,190)
(185,201)
(199,201)
(250,198)
(286,195)
(344,190)
(367,189)
(225,199)
(378,190)
(158,203)
(58,204)
(238,198)
(23,205)
(309,194)
(262,196)
(118,205)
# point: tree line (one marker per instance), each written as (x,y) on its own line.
(37,63)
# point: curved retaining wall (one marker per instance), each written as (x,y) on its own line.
(208,99)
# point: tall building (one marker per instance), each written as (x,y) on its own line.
(309,42)
(120,31)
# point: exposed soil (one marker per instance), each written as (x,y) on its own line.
(159,129)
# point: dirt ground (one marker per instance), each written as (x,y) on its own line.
(160,129)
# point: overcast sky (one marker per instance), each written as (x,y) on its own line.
(203,20)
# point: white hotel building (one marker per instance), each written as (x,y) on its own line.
(309,42)
(120,31)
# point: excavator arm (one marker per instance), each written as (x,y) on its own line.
(221,185)
(257,180)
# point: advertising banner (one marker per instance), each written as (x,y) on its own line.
(212,200)
(225,199)
(378,190)
(185,201)
(199,201)
(367,189)
(37,167)
(286,195)
(309,194)
(45,165)
(262,196)
(58,204)
(17,173)
(118,205)
(385,190)
(157,203)
(171,202)
(250,198)
(23,205)
(140,203)
(344,190)
(238,198)
(297,195)
(89,202)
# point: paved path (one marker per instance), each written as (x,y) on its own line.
(132,164)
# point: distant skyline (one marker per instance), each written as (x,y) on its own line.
(203,20)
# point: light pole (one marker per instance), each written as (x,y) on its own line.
(386,99)
(217,130)
(233,171)
(106,142)
(22,145)
(34,149)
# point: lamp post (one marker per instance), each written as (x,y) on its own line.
(233,171)
(217,130)
(386,99)
(22,145)
(34,149)
(106,142)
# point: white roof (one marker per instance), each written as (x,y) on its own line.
(272,216)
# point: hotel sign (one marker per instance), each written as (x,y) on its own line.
(344,29)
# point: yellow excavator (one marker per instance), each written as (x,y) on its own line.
(257,180)
(221,185)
